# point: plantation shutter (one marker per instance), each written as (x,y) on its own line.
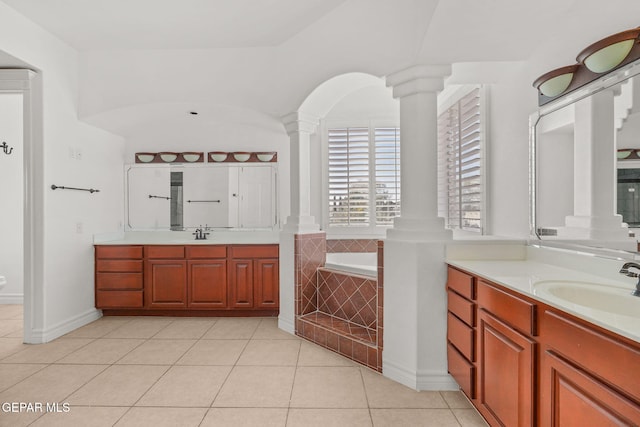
(387,174)
(349,177)
(460,175)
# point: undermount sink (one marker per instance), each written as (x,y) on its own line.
(610,299)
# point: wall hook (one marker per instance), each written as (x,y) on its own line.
(6,148)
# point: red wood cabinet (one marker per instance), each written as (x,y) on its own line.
(165,284)
(506,373)
(461,334)
(523,363)
(587,377)
(207,283)
(254,277)
(119,277)
(191,277)
(267,279)
(241,283)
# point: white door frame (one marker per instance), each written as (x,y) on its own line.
(29,83)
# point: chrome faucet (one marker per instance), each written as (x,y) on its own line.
(201,234)
(625,270)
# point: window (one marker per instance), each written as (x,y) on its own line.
(364,176)
(387,167)
(460,180)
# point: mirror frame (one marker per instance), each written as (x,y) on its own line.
(275,196)
(630,70)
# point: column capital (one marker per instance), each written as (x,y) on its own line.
(418,79)
(299,121)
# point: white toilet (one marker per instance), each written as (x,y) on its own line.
(3,282)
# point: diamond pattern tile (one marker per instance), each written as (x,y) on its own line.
(351,298)
(339,311)
(352,245)
(310,254)
(346,329)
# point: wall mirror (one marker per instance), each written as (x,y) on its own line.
(182,197)
(584,170)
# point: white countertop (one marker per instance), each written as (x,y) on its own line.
(240,237)
(522,274)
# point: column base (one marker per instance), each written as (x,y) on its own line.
(301,225)
(419,230)
(415,314)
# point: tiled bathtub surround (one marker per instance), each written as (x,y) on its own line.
(349,297)
(310,254)
(339,311)
(380,301)
(352,245)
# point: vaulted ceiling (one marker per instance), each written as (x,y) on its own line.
(267,56)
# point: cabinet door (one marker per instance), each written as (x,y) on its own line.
(570,397)
(165,284)
(266,284)
(207,284)
(506,373)
(241,283)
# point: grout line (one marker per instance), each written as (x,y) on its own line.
(366,395)
(224,381)
(293,382)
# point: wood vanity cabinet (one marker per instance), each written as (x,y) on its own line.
(165,277)
(207,276)
(461,333)
(588,376)
(118,280)
(530,364)
(506,357)
(188,278)
(253,276)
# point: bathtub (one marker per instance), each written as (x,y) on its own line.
(363,263)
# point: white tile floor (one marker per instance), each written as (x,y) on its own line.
(156,371)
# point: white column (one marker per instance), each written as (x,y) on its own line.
(414,251)
(595,178)
(299,127)
(417,88)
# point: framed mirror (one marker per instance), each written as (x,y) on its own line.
(180,197)
(582,189)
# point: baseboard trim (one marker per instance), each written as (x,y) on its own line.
(286,325)
(436,381)
(11,298)
(39,336)
(421,380)
(398,373)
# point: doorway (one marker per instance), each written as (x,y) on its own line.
(11,225)
(21,95)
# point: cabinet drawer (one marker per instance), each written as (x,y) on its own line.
(254,251)
(462,371)
(119,299)
(461,282)
(195,252)
(608,357)
(119,266)
(119,252)
(461,336)
(158,252)
(515,311)
(462,308)
(119,281)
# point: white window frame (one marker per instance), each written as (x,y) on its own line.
(448,98)
(372,230)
